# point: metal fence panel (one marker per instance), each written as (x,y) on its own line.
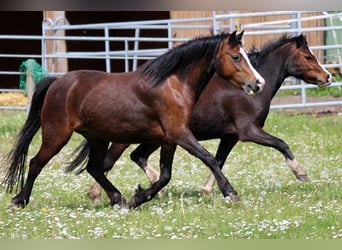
(286,22)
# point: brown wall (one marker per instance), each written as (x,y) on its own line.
(80,17)
(18,23)
(314,38)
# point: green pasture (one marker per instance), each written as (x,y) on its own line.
(274,205)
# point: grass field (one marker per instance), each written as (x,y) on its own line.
(273,204)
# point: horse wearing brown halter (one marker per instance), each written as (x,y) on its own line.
(152,105)
(230,115)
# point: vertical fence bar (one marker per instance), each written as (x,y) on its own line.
(136,47)
(215,23)
(303,92)
(30,84)
(126,56)
(43,43)
(295,25)
(107,49)
(298,27)
(169,35)
(232,22)
(54,52)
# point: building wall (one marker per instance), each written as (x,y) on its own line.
(18,23)
(314,38)
(82,17)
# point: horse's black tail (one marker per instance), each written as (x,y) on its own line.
(17,157)
(81,159)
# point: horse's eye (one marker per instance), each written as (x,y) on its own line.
(236,58)
(308,57)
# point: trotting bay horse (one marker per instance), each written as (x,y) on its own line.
(153,104)
(230,115)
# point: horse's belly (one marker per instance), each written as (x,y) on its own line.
(124,128)
(128,133)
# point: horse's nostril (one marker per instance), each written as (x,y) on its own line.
(254,87)
(260,81)
(329,77)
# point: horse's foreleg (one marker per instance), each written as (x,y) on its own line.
(189,143)
(259,136)
(166,157)
(95,168)
(226,145)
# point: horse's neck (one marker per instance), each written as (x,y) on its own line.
(200,76)
(273,69)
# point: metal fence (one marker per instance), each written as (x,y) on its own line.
(131,54)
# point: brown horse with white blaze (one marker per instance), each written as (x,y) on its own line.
(153,104)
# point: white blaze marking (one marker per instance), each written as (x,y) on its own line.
(256,73)
(326,71)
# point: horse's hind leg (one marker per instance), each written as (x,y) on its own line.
(166,157)
(140,156)
(95,168)
(48,149)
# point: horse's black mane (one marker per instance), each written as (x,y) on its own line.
(256,56)
(160,68)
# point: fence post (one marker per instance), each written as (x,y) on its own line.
(30,84)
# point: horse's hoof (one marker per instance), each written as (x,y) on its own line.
(14,207)
(93,196)
(232,197)
(18,203)
(161,193)
(97,201)
(122,206)
(207,191)
(117,200)
(132,203)
(136,201)
(303,178)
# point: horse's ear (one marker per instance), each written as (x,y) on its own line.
(240,35)
(234,39)
(232,36)
(300,40)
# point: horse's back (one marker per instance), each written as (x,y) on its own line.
(103,103)
(76,85)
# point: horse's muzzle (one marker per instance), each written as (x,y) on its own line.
(254,88)
(327,81)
